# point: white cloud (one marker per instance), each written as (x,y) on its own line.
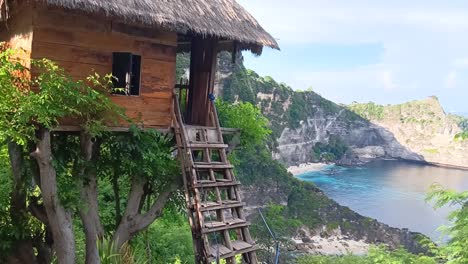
(460,62)
(451,79)
(387,79)
(423,42)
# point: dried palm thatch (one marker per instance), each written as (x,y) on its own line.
(225,19)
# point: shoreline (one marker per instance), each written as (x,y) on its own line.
(306,167)
(312,167)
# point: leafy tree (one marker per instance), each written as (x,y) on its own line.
(246,117)
(54,177)
(455,251)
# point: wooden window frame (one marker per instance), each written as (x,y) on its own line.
(126,69)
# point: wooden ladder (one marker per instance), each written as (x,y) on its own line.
(215,210)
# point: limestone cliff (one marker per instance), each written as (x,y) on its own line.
(423,128)
(418,131)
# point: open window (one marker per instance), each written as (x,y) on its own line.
(126,68)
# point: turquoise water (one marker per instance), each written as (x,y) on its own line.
(392,192)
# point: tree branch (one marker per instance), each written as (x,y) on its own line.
(38,211)
(133,222)
(144,220)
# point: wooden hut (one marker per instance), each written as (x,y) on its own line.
(137,41)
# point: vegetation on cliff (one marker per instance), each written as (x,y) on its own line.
(427,112)
(376,255)
(333,150)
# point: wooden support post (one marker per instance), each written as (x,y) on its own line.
(203,62)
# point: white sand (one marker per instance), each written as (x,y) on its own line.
(306,167)
(335,245)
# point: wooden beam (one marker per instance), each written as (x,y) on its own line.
(109,129)
(202,76)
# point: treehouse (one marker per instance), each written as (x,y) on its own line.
(137,41)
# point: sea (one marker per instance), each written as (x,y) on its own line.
(393,192)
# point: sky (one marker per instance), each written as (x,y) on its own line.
(382,51)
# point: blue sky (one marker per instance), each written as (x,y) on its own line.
(381,51)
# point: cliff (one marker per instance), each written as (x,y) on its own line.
(417,131)
(423,128)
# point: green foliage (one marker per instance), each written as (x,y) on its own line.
(462,122)
(297,111)
(182,65)
(304,203)
(369,111)
(245,116)
(239,86)
(167,240)
(347,259)
(377,255)
(462,136)
(255,165)
(110,254)
(455,251)
(431,151)
(278,220)
(145,154)
(333,150)
(46,98)
(8,231)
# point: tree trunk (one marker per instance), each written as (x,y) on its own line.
(89,213)
(23,251)
(133,222)
(115,188)
(60,219)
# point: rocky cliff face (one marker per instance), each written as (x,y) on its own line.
(417,131)
(341,227)
(423,128)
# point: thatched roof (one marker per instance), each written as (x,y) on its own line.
(221,18)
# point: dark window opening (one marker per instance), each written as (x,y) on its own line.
(126,69)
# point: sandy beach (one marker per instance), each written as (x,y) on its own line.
(306,167)
(334,245)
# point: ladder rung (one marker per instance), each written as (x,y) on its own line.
(219,249)
(240,245)
(230,253)
(210,229)
(233,221)
(214,224)
(212,206)
(212,184)
(205,182)
(204,165)
(229,201)
(223,180)
(207,145)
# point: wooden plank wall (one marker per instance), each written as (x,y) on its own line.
(82,44)
(18,33)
